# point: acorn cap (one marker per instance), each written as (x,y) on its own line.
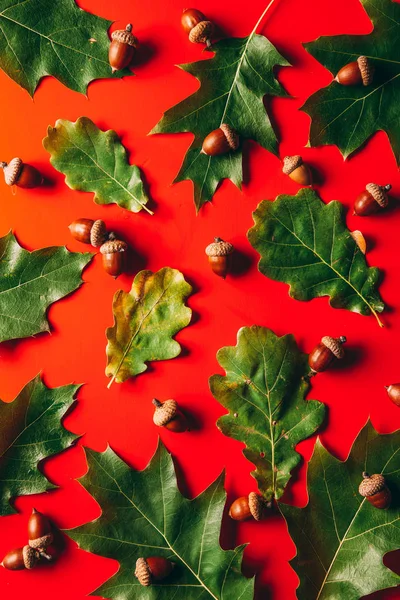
(371,484)
(290,163)
(164,413)
(366,70)
(231,135)
(12,170)
(124,36)
(219,248)
(256,506)
(142,572)
(335,345)
(201,32)
(41,542)
(113,246)
(98,233)
(378,192)
(29,556)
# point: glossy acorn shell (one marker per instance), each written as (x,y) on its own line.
(29,177)
(40,533)
(114,263)
(321,358)
(216,143)
(190,18)
(381,499)
(394,393)
(159,567)
(366,204)
(80,230)
(178,424)
(350,74)
(120,55)
(13,560)
(301,175)
(240,509)
(220,265)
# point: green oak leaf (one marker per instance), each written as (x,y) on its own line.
(95,161)
(348,115)
(31,281)
(30,431)
(44,37)
(232,87)
(264,390)
(143,515)
(305,243)
(145,321)
(340,537)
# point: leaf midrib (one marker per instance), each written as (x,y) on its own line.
(313,251)
(163,535)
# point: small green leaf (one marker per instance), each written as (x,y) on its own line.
(47,37)
(341,538)
(30,431)
(30,282)
(348,115)
(143,515)
(96,161)
(145,321)
(305,243)
(232,87)
(264,390)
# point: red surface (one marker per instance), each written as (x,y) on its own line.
(75,351)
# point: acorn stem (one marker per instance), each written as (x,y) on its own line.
(156,402)
(44,554)
(208,43)
(387,187)
(342,339)
(365,475)
(128,28)
(218,240)
(3,165)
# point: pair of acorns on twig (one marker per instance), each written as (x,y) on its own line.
(112,250)
(40,537)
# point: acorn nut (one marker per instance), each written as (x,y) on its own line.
(113,253)
(88,231)
(297,170)
(247,507)
(221,141)
(153,568)
(375,490)
(21,558)
(393,391)
(195,24)
(168,415)
(122,48)
(219,256)
(355,73)
(40,532)
(372,199)
(327,351)
(18,173)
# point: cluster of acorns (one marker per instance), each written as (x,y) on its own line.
(40,537)
(113,251)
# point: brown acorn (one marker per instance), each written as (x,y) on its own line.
(375,490)
(219,256)
(248,507)
(88,231)
(21,558)
(122,48)
(393,391)
(153,568)
(355,73)
(327,351)
(372,199)
(297,170)
(221,141)
(196,25)
(40,533)
(168,415)
(18,173)
(114,252)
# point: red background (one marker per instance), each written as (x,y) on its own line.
(175,237)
